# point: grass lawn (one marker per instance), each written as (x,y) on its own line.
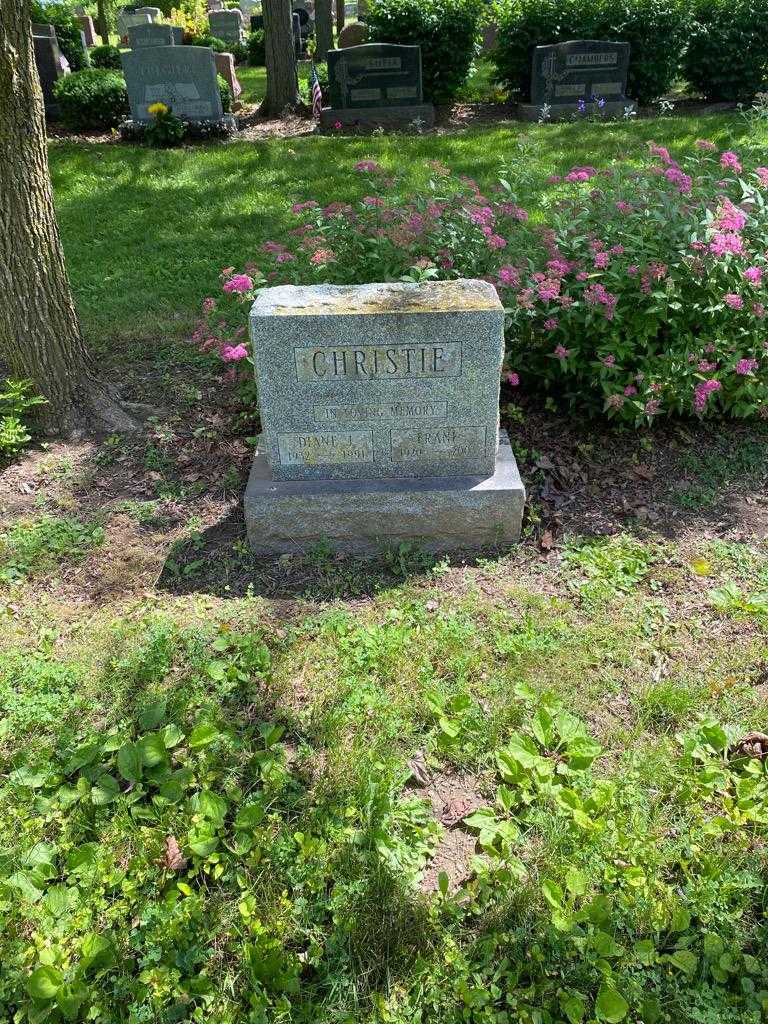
(408,790)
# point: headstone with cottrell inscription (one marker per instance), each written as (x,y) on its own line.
(376,84)
(182,77)
(585,75)
(380,410)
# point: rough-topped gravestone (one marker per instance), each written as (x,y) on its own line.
(126,19)
(249,8)
(215,5)
(584,75)
(354,34)
(380,410)
(155,14)
(51,65)
(376,84)
(227,26)
(182,77)
(225,66)
(151,34)
(88,30)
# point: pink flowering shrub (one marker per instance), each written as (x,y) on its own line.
(642,294)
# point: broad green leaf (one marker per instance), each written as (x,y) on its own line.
(172,736)
(575,882)
(70,998)
(28,884)
(610,1006)
(681,920)
(713,946)
(645,951)
(541,727)
(574,1006)
(202,735)
(211,806)
(129,762)
(650,1010)
(96,953)
(82,857)
(56,900)
(44,982)
(152,749)
(152,715)
(684,960)
(40,853)
(553,893)
(443,883)
(605,945)
(249,817)
(105,791)
(30,778)
(85,754)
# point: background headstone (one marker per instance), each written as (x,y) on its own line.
(227,26)
(39,29)
(86,24)
(183,77)
(215,5)
(154,13)
(126,19)
(153,34)
(257,23)
(249,8)
(380,408)
(297,35)
(178,34)
(592,71)
(225,66)
(354,34)
(376,84)
(51,66)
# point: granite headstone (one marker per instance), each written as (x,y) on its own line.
(152,34)
(380,409)
(227,26)
(86,24)
(225,66)
(578,76)
(155,14)
(126,19)
(257,23)
(182,77)
(377,83)
(353,34)
(51,65)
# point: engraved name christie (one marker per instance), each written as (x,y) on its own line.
(378,362)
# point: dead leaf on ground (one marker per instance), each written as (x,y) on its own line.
(419,770)
(457,808)
(173,859)
(754,744)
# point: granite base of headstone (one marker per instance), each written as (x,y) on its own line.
(151,34)
(380,409)
(376,85)
(51,65)
(88,29)
(583,76)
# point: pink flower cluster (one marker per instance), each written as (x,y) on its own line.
(703,390)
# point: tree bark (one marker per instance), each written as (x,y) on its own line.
(341,15)
(102,21)
(280,59)
(40,337)
(323,29)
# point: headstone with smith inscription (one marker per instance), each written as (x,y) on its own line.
(182,77)
(581,76)
(227,26)
(376,84)
(151,34)
(380,410)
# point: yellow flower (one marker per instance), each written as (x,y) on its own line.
(155,109)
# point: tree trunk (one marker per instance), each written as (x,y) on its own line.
(40,336)
(280,54)
(102,21)
(323,29)
(341,15)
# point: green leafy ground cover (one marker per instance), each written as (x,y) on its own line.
(518,788)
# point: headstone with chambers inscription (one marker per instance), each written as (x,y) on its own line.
(579,77)
(182,77)
(380,413)
(376,84)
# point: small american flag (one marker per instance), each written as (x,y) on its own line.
(317,93)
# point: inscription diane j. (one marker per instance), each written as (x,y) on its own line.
(378,362)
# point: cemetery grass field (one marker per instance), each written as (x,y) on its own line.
(521,787)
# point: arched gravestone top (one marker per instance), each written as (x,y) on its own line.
(580,69)
(182,77)
(354,34)
(376,74)
(303,15)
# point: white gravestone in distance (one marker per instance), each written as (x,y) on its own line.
(380,411)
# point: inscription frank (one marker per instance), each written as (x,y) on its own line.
(325,449)
(379,362)
(413,444)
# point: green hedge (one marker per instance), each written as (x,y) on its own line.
(446,30)
(67,31)
(727,58)
(106,57)
(657,31)
(93,98)
(256,51)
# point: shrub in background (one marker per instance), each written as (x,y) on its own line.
(305,88)
(727,57)
(226,94)
(92,99)
(256,52)
(239,51)
(643,295)
(446,30)
(67,31)
(657,31)
(217,45)
(106,57)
